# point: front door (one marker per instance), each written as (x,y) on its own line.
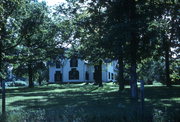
(58,77)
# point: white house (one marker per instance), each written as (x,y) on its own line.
(77,70)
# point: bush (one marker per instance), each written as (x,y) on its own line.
(20,83)
(149,82)
(16,83)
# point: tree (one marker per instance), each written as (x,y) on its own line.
(171,40)
(99,26)
(81,34)
(151,70)
(166,25)
(122,30)
(8,26)
(38,37)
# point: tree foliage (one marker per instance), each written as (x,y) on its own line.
(28,35)
(130,31)
(37,33)
(9,26)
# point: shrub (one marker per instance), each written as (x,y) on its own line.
(20,83)
(149,82)
(16,83)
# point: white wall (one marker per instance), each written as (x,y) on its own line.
(52,71)
(111,68)
(67,69)
(104,72)
(82,68)
(91,73)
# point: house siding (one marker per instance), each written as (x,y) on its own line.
(82,68)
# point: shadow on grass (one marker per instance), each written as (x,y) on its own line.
(45,88)
(97,101)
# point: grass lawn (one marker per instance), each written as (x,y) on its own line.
(80,102)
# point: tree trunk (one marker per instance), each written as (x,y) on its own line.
(95,75)
(1,77)
(168,83)
(0,63)
(40,81)
(121,70)
(133,79)
(100,73)
(30,73)
(134,45)
(40,77)
(2,34)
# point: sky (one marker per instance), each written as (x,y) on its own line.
(52,2)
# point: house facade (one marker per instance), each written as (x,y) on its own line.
(77,70)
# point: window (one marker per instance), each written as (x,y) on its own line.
(58,76)
(73,62)
(94,75)
(87,76)
(58,64)
(115,77)
(112,76)
(109,75)
(73,74)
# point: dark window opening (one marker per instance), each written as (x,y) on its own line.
(112,76)
(58,65)
(87,76)
(115,77)
(94,75)
(58,76)
(73,74)
(73,62)
(109,75)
